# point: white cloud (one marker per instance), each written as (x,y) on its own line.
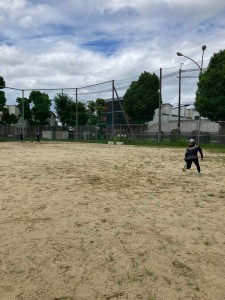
(47,44)
(12,5)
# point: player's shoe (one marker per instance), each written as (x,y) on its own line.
(184,168)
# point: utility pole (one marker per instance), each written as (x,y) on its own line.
(23,114)
(160,107)
(113,109)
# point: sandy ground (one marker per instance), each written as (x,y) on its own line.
(92,221)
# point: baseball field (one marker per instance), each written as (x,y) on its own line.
(93,221)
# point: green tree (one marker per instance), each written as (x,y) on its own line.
(2,82)
(91,110)
(24,102)
(66,110)
(95,110)
(2,94)
(70,114)
(3,109)
(61,105)
(142,98)
(41,107)
(9,118)
(100,107)
(2,100)
(210,95)
(82,114)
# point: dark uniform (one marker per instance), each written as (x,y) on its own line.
(191,155)
(38,137)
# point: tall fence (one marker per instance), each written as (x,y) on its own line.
(111,91)
(205,132)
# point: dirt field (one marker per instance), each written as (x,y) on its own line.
(91,221)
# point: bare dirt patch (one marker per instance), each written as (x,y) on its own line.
(91,221)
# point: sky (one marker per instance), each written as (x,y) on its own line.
(69,44)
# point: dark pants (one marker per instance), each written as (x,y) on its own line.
(195,161)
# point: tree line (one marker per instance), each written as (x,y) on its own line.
(139,102)
(36,109)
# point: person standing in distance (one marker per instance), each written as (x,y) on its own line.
(21,137)
(191,155)
(38,137)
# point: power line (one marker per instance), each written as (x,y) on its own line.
(172,74)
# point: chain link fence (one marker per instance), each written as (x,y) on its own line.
(204,132)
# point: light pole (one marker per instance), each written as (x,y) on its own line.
(200,68)
(179,100)
(23,114)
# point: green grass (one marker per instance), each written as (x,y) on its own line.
(218,148)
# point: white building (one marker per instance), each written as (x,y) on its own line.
(170,113)
(190,120)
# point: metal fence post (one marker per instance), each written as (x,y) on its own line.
(113,109)
(76,115)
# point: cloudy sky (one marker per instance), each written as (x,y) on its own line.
(55,44)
